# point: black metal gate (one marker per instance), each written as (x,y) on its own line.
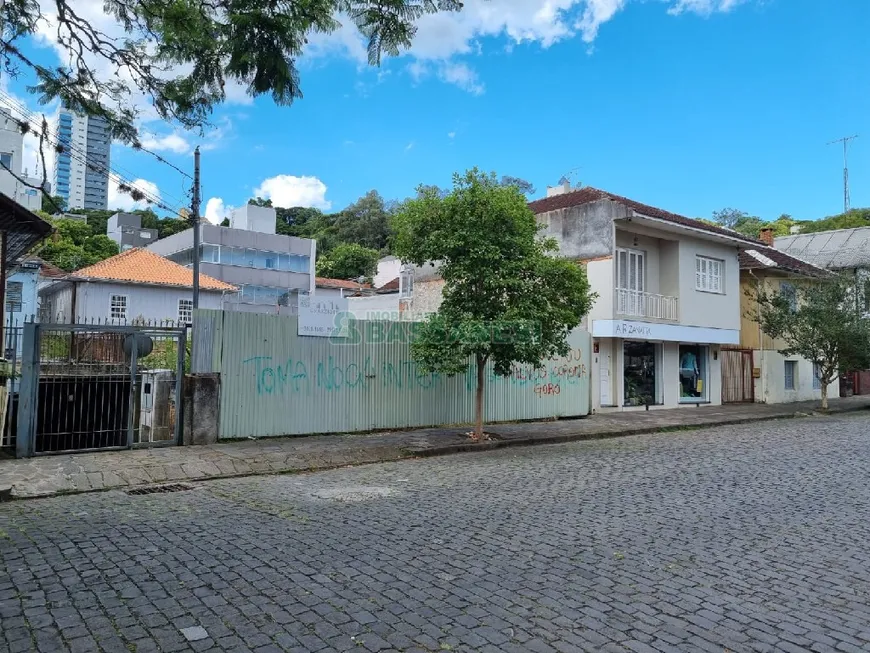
(95,387)
(738,384)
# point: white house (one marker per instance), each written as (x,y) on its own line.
(668,296)
(136,285)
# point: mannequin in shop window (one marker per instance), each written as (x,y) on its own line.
(690,374)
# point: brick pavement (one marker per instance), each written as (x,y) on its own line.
(49,475)
(740,538)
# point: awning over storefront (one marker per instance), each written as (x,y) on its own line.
(21,228)
(664,332)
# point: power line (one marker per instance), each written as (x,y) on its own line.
(124,183)
(845,141)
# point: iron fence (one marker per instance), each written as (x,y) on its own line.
(101,385)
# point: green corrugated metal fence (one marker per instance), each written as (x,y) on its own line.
(274,382)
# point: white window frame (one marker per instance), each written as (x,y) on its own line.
(817,382)
(793,366)
(121,315)
(185,316)
(709,274)
(631,260)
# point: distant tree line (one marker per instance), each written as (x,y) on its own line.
(751,225)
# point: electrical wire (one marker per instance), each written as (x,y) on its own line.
(35,123)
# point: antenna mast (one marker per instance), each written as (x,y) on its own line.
(845,141)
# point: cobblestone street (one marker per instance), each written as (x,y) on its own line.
(741,538)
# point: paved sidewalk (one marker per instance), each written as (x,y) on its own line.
(50,475)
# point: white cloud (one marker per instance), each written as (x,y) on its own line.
(216,210)
(451,135)
(442,38)
(346,42)
(288,191)
(173,142)
(218,135)
(704,7)
(409,146)
(123,201)
(462,76)
(595,14)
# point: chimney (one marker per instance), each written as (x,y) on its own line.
(561,189)
(766,236)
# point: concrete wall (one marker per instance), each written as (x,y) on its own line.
(583,232)
(669,270)
(600,274)
(388,269)
(770,387)
(260,219)
(202,397)
(697,308)
(427,297)
(375,307)
(92,301)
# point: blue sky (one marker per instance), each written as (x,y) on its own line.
(689,105)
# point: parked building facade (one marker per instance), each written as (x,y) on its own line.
(668,296)
(270,270)
(844,251)
(16,183)
(133,286)
(757,371)
(126,230)
(81,170)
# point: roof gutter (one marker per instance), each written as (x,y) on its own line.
(743,242)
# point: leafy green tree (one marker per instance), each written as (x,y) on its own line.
(348,261)
(522,185)
(182,54)
(506,298)
(850,220)
(365,222)
(53,204)
(100,247)
(299,221)
(821,321)
(74,246)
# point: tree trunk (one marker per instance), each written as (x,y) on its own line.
(824,395)
(478,399)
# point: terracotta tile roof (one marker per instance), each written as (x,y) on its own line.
(390,286)
(143,266)
(762,257)
(325,282)
(589,194)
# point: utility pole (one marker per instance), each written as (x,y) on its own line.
(845,141)
(196,234)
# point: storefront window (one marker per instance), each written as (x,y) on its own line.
(693,373)
(640,374)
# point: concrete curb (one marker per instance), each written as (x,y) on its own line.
(404,453)
(490,445)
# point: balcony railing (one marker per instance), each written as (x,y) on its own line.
(633,303)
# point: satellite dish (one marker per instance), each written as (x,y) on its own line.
(144,345)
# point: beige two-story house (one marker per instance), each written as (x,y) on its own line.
(668,296)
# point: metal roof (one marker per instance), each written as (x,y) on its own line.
(836,250)
(21,228)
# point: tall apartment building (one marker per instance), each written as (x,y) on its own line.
(11,162)
(81,171)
